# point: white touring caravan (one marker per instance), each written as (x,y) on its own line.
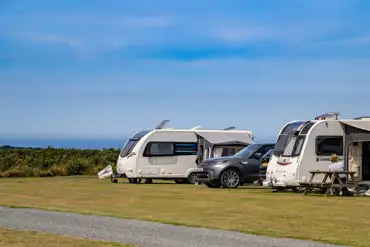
(165,153)
(303,146)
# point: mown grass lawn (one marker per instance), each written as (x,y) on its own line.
(11,238)
(343,220)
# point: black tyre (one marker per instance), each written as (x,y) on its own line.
(230,178)
(279,189)
(213,185)
(132,180)
(192,178)
(296,189)
(148,181)
(180,181)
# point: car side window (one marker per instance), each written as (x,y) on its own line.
(263,150)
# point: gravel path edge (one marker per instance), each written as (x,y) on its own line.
(131,231)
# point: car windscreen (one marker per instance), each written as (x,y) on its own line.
(248,151)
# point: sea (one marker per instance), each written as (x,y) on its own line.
(64,143)
(75,143)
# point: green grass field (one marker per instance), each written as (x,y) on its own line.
(10,238)
(343,220)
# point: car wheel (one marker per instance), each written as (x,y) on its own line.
(192,178)
(230,179)
(213,185)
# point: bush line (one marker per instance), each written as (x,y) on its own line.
(46,162)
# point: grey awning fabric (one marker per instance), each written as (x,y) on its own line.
(225,138)
(354,131)
(359,124)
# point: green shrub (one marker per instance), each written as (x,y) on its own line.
(26,162)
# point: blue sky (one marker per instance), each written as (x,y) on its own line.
(113,67)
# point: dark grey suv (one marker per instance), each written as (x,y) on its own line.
(232,171)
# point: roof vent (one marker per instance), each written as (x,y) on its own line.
(162,124)
(230,128)
(328,115)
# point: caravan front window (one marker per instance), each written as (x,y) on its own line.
(286,135)
(281,144)
(299,145)
(294,146)
(127,149)
(288,151)
(129,146)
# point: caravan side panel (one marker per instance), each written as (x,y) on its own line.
(166,166)
(309,159)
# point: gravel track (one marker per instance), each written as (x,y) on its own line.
(134,231)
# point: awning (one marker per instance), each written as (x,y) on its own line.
(359,124)
(354,131)
(225,138)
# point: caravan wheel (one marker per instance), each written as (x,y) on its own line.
(132,180)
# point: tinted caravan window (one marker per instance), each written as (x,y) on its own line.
(171,149)
(127,149)
(129,146)
(186,148)
(327,145)
(160,149)
(286,134)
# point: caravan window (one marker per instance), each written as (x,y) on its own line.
(281,144)
(298,146)
(294,146)
(170,149)
(290,147)
(186,148)
(126,150)
(159,149)
(306,128)
(327,145)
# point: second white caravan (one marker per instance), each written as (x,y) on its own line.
(303,146)
(165,153)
